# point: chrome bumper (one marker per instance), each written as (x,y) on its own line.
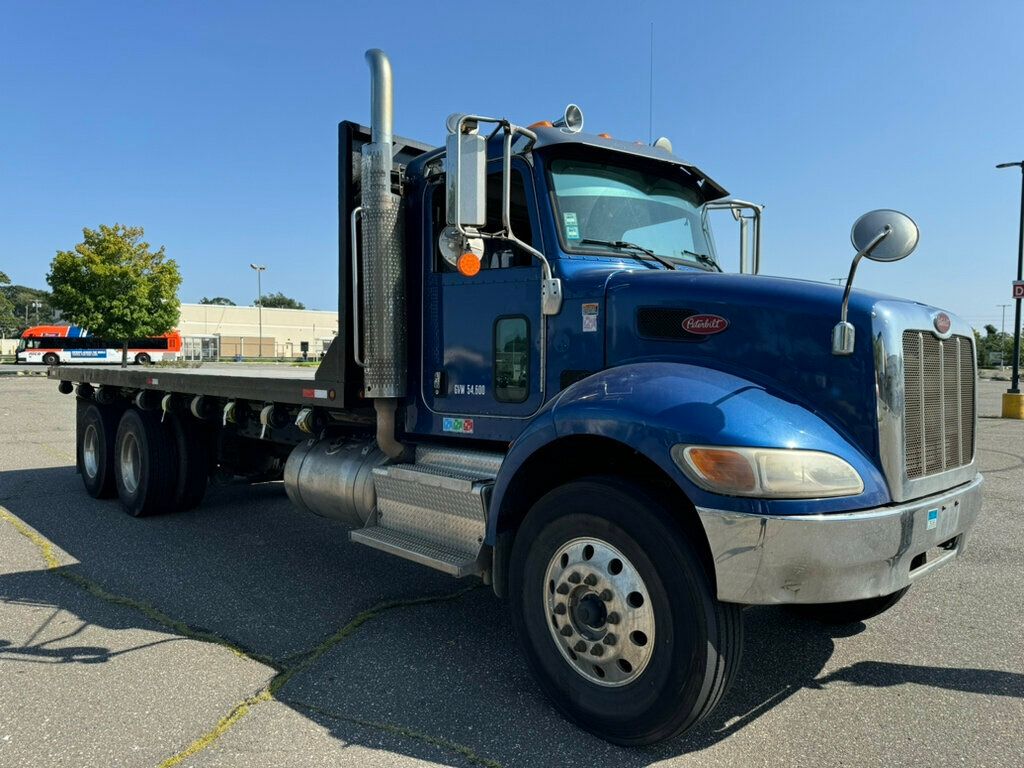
(844,556)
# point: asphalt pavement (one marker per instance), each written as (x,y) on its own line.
(248,633)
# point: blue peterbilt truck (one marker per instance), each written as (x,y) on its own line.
(545,379)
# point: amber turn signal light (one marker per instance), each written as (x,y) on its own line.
(469,264)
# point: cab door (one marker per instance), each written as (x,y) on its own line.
(481,334)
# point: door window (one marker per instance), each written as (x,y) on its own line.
(511,359)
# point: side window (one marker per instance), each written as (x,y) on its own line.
(511,359)
(498,254)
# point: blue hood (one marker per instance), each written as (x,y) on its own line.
(776,332)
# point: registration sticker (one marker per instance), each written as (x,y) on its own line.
(572,228)
(590,318)
(933,518)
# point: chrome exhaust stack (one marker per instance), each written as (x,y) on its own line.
(384,301)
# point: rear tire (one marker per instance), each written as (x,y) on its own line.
(601,557)
(50,359)
(850,612)
(193,448)
(97,430)
(145,464)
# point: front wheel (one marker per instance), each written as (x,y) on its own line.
(142,359)
(50,359)
(617,614)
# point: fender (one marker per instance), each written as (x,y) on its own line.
(652,406)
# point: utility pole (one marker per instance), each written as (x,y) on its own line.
(1013,404)
(259,301)
(35,305)
(1002,333)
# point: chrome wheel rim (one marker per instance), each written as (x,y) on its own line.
(131,462)
(90,451)
(599,612)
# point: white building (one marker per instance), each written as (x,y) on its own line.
(212,330)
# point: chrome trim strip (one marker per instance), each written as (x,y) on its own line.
(765,559)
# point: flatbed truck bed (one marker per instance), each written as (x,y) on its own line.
(294,385)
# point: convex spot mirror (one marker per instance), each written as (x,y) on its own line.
(899,243)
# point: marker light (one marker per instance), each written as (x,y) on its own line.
(768,473)
(469,264)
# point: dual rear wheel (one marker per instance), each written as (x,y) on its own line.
(153,466)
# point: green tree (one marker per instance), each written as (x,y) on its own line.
(114,285)
(8,321)
(32,306)
(279,301)
(218,300)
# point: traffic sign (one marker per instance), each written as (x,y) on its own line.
(1018,289)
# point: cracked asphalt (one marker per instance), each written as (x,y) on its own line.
(249,633)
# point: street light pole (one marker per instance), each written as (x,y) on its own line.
(259,301)
(1015,378)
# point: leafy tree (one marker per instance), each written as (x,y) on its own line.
(8,321)
(31,305)
(218,300)
(114,285)
(993,347)
(279,301)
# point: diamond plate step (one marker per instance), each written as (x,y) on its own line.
(434,511)
(446,559)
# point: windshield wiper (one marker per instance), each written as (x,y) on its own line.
(622,245)
(703,258)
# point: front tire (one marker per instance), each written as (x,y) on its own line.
(145,464)
(142,359)
(617,615)
(50,358)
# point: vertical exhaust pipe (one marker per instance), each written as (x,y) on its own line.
(384,300)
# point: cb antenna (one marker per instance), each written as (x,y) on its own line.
(650,95)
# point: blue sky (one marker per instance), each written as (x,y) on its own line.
(213,125)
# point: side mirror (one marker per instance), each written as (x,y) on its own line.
(465,173)
(882,235)
(899,242)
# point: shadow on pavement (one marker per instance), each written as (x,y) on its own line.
(252,570)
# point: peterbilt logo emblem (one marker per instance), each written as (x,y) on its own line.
(942,322)
(705,325)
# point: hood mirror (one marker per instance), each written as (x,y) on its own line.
(881,235)
(899,243)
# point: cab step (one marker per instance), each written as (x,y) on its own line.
(434,511)
(451,561)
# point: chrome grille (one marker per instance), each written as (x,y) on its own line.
(938,420)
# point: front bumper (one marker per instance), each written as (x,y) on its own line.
(843,556)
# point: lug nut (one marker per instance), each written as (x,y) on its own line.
(606,595)
(610,639)
(565,631)
(560,609)
(597,650)
(613,618)
(574,577)
(580,647)
(591,580)
(563,589)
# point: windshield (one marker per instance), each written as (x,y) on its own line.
(610,203)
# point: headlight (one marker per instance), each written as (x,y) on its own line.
(767,473)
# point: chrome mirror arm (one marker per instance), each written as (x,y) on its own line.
(843,333)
